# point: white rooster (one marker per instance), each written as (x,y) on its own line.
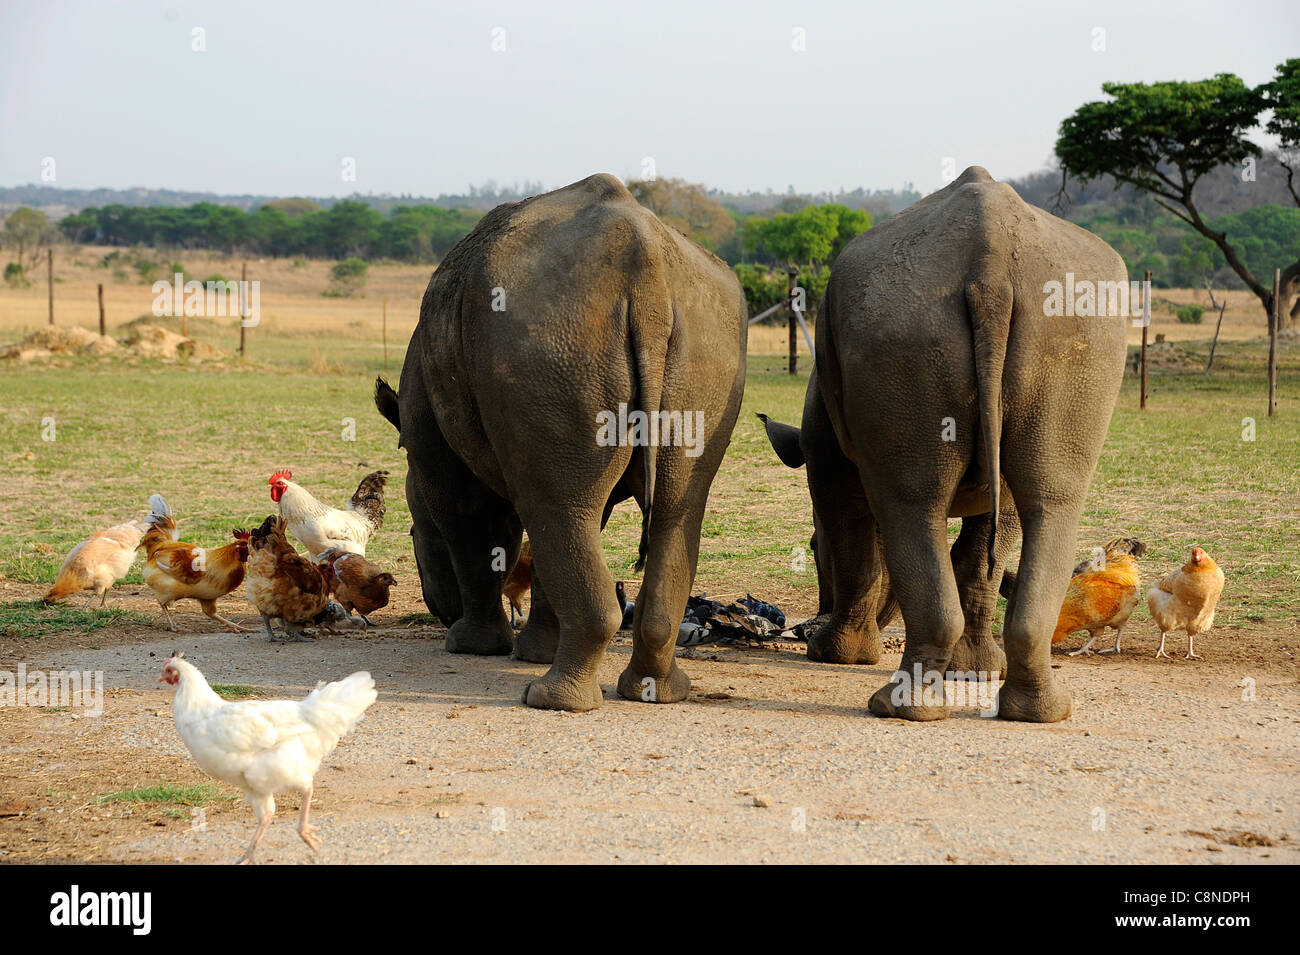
(263,747)
(320,526)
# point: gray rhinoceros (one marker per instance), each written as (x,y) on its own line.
(572,351)
(950,382)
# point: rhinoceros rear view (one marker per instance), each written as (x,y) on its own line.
(572,352)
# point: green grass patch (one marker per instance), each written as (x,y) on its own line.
(31,618)
(207,436)
(198,795)
(236,691)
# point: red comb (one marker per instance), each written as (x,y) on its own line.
(286,475)
(240,535)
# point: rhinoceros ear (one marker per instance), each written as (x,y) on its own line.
(785,441)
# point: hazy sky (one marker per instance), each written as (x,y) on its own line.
(713,92)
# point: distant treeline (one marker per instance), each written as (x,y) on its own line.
(348,229)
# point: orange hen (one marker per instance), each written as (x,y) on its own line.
(1102,594)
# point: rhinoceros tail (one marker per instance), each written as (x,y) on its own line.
(647,388)
(386,402)
(990,306)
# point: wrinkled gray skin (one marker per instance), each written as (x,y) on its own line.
(939,313)
(975,651)
(603,305)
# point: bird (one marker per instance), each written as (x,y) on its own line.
(1185,599)
(319,526)
(282,584)
(1116,546)
(1102,593)
(175,571)
(357,583)
(105,557)
(265,747)
(520,581)
(627,607)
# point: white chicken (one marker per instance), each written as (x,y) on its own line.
(263,747)
(320,526)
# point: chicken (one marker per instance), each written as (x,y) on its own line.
(175,571)
(263,747)
(1115,547)
(1102,593)
(520,581)
(1185,599)
(320,526)
(356,583)
(105,557)
(283,584)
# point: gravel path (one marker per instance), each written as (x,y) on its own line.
(773,759)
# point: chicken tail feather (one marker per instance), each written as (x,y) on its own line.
(335,708)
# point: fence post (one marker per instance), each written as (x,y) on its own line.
(1146,324)
(793,276)
(102,328)
(49,275)
(1215,343)
(1273,316)
(243,281)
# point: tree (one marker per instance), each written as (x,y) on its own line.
(686,207)
(812,235)
(1162,138)
(349,276)
(30,230)
(293,208)
(1283,97)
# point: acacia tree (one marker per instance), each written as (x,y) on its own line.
(1161,138)
(1283,97)
(686,207)
(30,230)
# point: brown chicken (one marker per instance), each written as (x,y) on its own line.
(1185,599)
(282,584)
(355,582)
(175,571)
(520,581)
(1102,593)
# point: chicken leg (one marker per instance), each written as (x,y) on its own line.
(210,608)
(305,829)
(1114,649)
(1086,649)
(168,614)
(1161,651)
(293,631)
(264,808)
(1191,652)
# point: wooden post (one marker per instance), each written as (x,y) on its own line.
(793,277)
(49,274)
(103,330)
(1146,324)
(1215,343)
(243,279)
(385,333)
(1273,316)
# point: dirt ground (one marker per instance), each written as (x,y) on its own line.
(772,759)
